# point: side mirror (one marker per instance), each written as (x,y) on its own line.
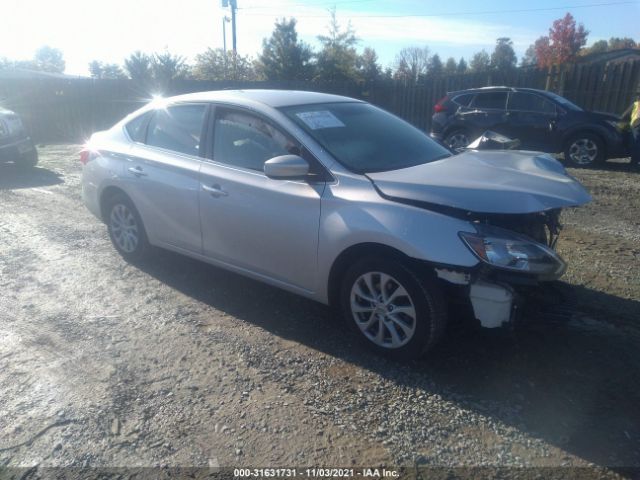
(286,167)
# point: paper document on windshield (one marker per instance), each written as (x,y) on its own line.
(320,119)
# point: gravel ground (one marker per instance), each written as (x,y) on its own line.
(178,363)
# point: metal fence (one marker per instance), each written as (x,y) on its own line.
(58,110)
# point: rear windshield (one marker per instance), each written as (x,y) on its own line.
(364,138)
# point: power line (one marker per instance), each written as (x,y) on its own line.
(485,12)
(323,4)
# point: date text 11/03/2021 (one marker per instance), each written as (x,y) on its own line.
(314,473)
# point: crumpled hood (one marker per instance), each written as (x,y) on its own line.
(508,182)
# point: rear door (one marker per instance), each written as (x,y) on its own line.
(252,222)
(485,112)
(531,118)
(162,174)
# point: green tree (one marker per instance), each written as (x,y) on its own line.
(435,65)
(138,67)
(450,66)
(214,64)
(105,70)
(529,59)
(368,65)
(480,62)
(49,59)
(616,42)
(283,56)
(167,67)
(337,59)
(462,66)
(503,57)
(411,63)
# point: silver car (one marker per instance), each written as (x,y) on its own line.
(336,200)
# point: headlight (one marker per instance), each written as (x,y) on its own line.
(510,251)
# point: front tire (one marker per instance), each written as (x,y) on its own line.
(392,309)
(126,229)
(584,150)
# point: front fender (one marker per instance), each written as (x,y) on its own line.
(417,233)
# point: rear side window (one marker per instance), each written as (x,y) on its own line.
(463,100)
(530,103)
(494,100)
(137,128)
(177,128)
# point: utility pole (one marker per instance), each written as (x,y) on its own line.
(234,7)
(233,4)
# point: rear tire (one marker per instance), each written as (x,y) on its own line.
(392,309)
(584,150)
(457,140)
(126,229)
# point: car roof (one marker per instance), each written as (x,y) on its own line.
(270,98)
(497,89)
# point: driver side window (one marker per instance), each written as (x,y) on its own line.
(246,141)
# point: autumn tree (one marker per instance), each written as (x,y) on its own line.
(563,43)
(411,63)
(283,56)
(503,57)
(337,59)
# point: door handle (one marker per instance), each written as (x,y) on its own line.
(215,190)
(137,171)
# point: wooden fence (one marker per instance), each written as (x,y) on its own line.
(57,110)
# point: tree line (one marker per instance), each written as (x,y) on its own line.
(284,57)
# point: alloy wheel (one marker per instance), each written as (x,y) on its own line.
(583,151)
(124,228)
(457,141)
(383,310)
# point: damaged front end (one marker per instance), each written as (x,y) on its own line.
(516,253)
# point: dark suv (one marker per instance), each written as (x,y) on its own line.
(541,120)
(15,144)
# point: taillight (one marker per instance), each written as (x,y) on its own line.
(439,107)
(86,155)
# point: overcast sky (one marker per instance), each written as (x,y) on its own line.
(109,30)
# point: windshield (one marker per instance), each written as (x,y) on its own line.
(364,138)
(564,102)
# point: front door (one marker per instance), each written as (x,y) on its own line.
(249,221)
(531,119)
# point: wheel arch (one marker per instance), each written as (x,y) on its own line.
(351,254)
(107,194)
(586,130)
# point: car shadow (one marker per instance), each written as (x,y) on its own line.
(573,382)
(13,177)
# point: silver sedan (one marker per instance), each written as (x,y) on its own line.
(336,200)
